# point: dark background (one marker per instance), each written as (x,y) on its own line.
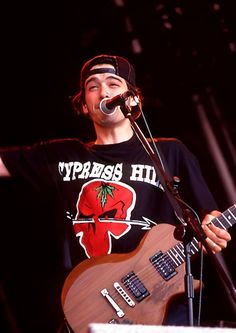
(180,49)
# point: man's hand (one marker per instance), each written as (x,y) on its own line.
(217,238)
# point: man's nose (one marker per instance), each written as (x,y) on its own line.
(104,92)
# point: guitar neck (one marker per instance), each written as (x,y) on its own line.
(226,220)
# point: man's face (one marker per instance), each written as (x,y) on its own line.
(99,86)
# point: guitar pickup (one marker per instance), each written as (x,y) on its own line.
(135,286)
(163,265)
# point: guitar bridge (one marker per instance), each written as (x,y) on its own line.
(123,294)
(163,265)
(135,286)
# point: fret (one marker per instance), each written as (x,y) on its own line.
(232,214)
(227,219)
(180,250)
(172,256)
(219,223)
(178,256)
(194,244)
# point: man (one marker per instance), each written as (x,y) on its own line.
(109,188)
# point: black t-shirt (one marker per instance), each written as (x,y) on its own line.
(109,194)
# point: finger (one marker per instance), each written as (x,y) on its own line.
(209,217)
(216,233)
(213,238)
(220,233)
(214,246)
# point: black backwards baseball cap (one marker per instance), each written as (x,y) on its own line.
(122,68)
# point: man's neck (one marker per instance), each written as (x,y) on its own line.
(113,135)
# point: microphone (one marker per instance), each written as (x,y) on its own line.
(108,105)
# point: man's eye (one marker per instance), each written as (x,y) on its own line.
(92,87)
(114,85)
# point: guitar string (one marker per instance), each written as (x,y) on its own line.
(149,270)
(165,259)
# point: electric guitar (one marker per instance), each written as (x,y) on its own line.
(132,288)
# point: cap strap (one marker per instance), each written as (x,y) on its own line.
(99,71)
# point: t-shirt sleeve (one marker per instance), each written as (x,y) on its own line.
(193,187)
(29,163)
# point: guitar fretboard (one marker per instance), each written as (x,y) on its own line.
(177,253)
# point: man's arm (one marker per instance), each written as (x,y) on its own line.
(3,170)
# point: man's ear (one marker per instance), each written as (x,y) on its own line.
(85,109)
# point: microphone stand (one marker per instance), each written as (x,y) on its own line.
(186,217)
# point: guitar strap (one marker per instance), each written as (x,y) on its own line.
(161,157)
(169,183)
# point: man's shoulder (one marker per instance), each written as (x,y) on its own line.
(171,146)
(61,142)
(166,142)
